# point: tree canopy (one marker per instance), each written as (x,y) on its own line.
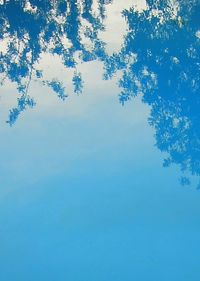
(158,60)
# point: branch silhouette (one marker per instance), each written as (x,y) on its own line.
(160,61)
(32,28)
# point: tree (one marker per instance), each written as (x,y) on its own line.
(31,28)
(160,60)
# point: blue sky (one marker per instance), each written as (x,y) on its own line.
(85,197)
(83,193)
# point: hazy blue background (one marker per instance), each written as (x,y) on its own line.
(84,195)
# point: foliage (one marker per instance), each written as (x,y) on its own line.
(160,60)
(32,28)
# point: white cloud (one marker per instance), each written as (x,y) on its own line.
(115,23)
(197,34)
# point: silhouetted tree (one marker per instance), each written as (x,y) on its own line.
(31,28)
(160,59)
